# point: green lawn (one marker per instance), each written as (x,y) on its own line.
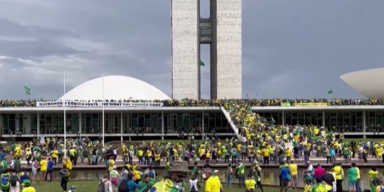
(83,186)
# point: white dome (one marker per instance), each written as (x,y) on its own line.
(366,82)
(115,87)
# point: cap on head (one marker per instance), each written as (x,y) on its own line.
(179,167)
(27,182)
(207,170)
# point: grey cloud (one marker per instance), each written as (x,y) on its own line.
(14,29)
(38,48)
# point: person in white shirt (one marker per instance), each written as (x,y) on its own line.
(334,183)
(361,154)
(107,183)
(193,184)
(12,165)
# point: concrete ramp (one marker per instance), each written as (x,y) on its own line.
(289,145)
(233,126)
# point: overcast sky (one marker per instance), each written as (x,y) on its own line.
(291,48)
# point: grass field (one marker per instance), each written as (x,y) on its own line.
(88,186)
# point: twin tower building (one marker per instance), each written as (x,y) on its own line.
(222,31)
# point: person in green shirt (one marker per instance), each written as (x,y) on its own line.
(229,175)
(195,170)
(352,177)
(234,155)
(321,186)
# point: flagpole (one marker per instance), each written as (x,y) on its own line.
(103,115)
(65,123)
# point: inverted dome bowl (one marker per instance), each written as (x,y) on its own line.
(369,83)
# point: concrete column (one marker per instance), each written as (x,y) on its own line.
(364,124)
(283,116)
(79,122)
(38,126)
(202,125)
(172,124)
(121,125)
(162,125)
(17,123)
(323,118)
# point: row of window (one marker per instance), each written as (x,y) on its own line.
(92,122)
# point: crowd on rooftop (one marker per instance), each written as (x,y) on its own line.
(217,102)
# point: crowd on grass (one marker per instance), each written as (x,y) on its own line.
(306,141)
(214,102)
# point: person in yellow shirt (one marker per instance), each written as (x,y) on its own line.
(358,187)
(140,154)
(339,177)
(43,169)
(28,156)
(54,154)
(265,153)
(207,156)
(73,155)
(212,184)
(125,151)
(110,164)
(293,169)
(157,159)
(288,154)
(250,184)
(379,152)
(308,186)
(27,186)
(148,157)
(321,186)
(137,173)
(68,163)
(373,174)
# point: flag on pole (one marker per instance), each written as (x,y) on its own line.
(273,120)
(330,92)
(202,63)
(27,90)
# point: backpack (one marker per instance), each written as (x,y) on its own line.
(285,174)
(101,187)
(5,181)
(123,187)
(17,166)
(13,181)
(381,189)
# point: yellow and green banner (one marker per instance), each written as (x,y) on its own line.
(285,104)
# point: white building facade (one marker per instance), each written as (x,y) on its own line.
(152,119)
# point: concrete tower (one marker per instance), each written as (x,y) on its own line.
(223,32)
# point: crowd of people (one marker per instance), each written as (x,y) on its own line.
(266,142)
(270,144)
(215,102)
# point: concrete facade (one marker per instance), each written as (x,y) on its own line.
(226,49)
(223,32)
(26,117)
(185,49)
